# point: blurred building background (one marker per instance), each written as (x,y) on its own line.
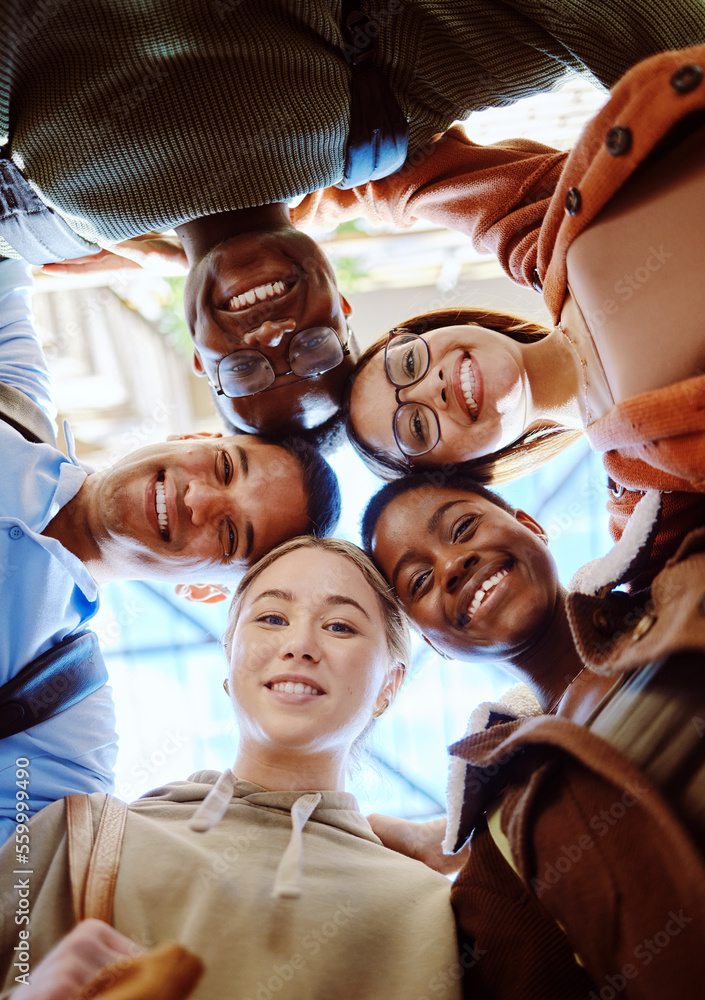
(120,354)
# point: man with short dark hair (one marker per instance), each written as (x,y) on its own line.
(200,506)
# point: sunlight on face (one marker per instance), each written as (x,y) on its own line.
(475,384)
(309,660)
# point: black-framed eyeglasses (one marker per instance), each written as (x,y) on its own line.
(406,362)
(311,352)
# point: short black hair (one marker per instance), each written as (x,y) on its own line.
(415,481)
(327,437)
(320,485)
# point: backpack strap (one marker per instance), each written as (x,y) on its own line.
(22,413)
(79,831)
(105,861)
(54,681)
(94,865)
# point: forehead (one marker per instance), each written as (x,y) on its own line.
(311,576)
(419,515)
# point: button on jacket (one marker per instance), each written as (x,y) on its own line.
(526,203)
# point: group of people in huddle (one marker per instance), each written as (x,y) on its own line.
(570,863)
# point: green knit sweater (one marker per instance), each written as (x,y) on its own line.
(130,115)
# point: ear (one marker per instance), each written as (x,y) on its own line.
(347,308)
(389,690)
(193,437)
(205,593)
(533,525)
(198,365)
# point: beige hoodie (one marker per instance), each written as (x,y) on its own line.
(282,894)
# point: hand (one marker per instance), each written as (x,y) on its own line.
(421,841)
(153,252)
(68,967)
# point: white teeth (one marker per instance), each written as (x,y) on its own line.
(467,383)
(294,687)
(482,592)
(160,504)
(259,294)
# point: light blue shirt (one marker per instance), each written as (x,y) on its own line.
(46,593)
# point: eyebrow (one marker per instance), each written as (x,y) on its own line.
(408,557)
(249,539)
(435,518)
(334,599)
(249,528)
(330,601)
(280,595)
(244,464)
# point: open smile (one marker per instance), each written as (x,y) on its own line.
(160,506)
(294,688)
(467,386)
(268,292)
(483,591)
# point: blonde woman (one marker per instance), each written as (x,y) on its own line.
(268,872)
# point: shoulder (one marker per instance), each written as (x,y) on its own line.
(643,107)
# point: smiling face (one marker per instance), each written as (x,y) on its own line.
(171,510)
(310,661)
(476,383)
(476,580)
(257,290)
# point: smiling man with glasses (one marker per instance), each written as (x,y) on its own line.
(268,323)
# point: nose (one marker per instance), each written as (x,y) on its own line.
(456,568)
(206,502)
(270,333)
(300,644)
(431,390)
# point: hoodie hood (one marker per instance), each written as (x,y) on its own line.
(213,794)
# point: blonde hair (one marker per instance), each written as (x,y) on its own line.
(523,456)
(395,622)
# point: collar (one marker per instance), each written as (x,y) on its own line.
(469,786)
(614,568)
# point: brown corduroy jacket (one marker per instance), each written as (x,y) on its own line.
(595,847)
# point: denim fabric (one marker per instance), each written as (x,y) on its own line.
(34,230)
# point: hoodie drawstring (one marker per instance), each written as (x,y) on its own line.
(287,882)
(213,807)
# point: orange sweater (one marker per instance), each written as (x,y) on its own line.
(510,198)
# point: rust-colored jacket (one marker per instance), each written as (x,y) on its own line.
(510,198)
